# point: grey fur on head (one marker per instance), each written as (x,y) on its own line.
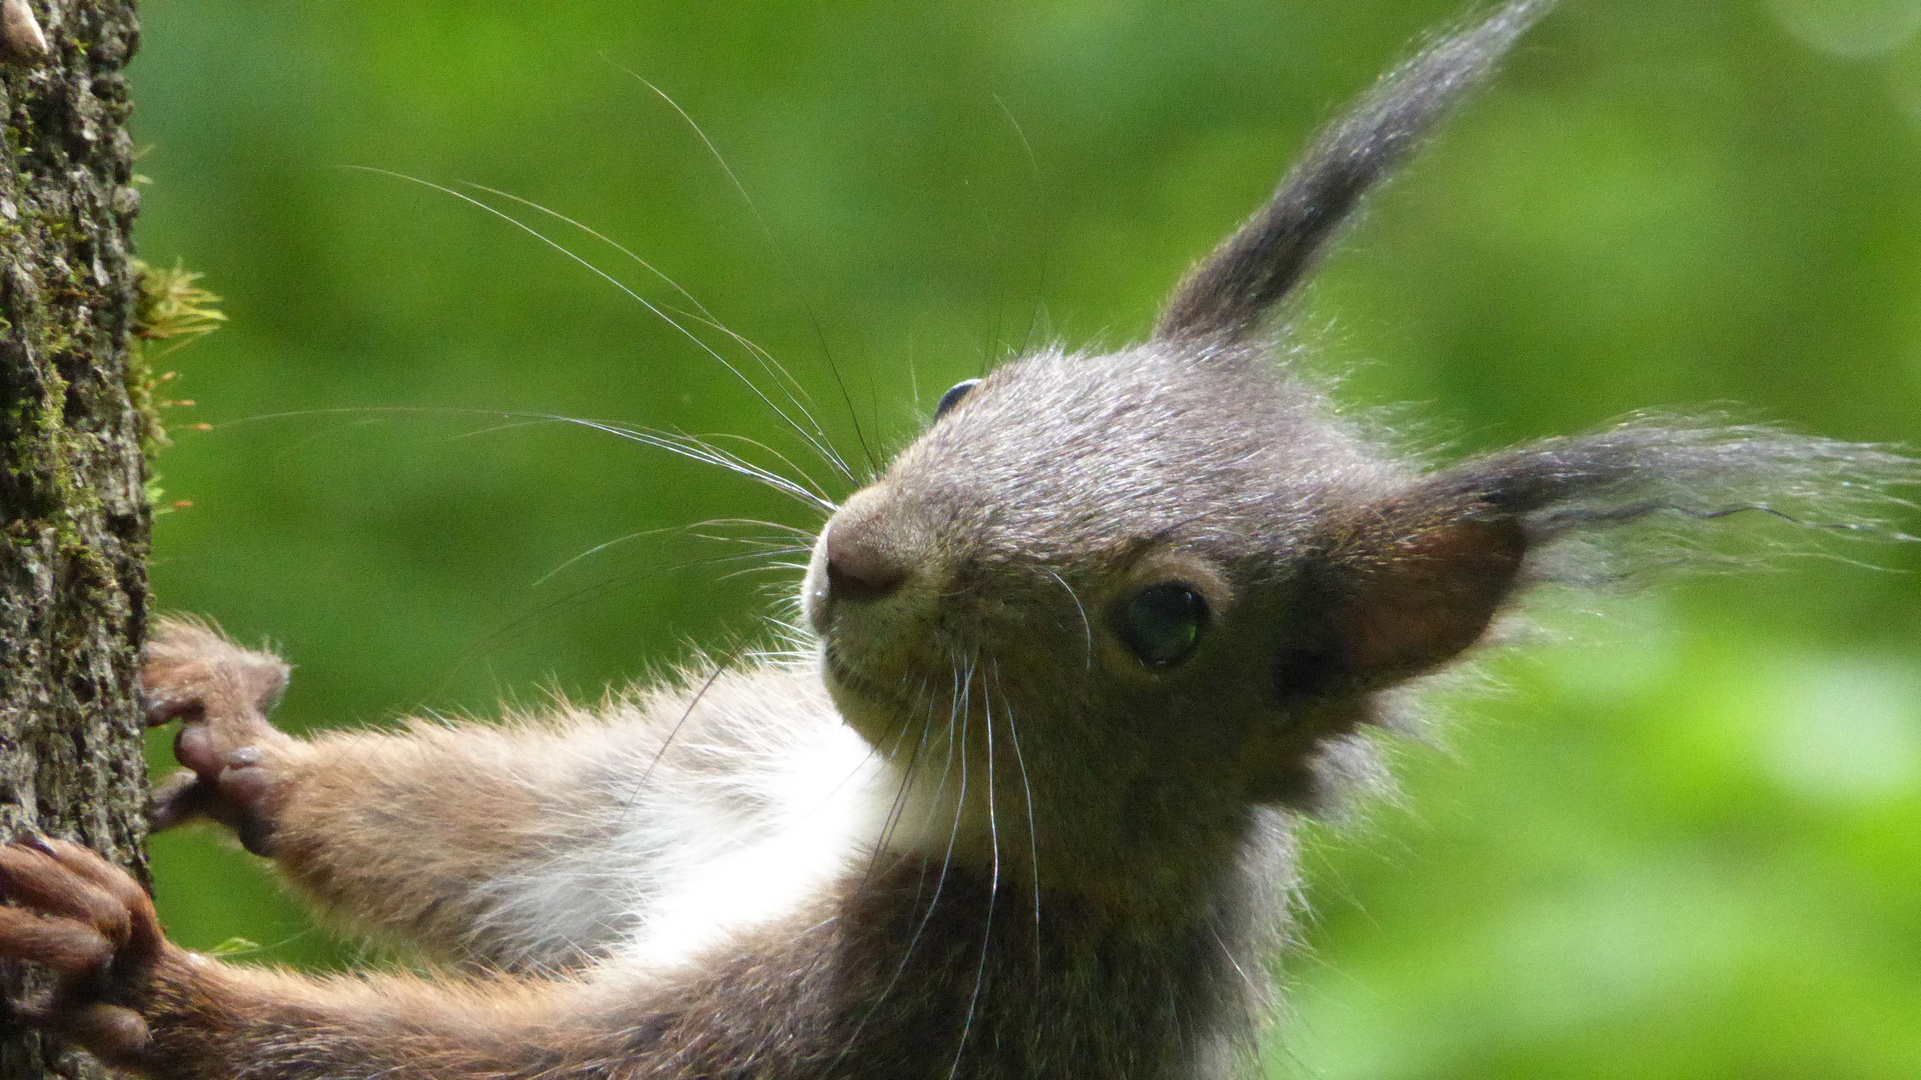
(1333,566)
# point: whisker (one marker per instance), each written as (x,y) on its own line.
(585,595)
(618,284)
(698,449)
(993,886)
(764,545)
(744,571)
(780,256)
(768,546)
(1253,987)
(873,751)
(764,448)
(913,378)
(911,770)
(1047,233)
(1086,627)
(899,806)
(758,523)
(793,388)
(596,234)
(1033,832)
(686,446)
(598,548)
(940,879)
(640,785)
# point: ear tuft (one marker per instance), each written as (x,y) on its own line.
(1228,294)
(1406,583)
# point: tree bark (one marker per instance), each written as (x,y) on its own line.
(75,420)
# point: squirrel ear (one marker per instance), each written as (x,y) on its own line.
(1432,594)
(1403,582)
(1397,591)
(1393,599)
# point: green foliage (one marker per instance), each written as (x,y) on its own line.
(1680,843)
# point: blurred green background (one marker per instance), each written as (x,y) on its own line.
(1681,840)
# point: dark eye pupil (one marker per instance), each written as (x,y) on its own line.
(953,397)
(1162,623)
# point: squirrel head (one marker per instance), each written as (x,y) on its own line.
(1111,605)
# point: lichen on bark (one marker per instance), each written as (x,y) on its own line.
(73,508)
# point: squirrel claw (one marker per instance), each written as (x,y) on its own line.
(94,927)
(191,671)
(178,799)
(221,693)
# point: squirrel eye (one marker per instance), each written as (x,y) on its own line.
(953,397)
(1162,623)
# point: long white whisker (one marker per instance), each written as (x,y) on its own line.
(686,446)
(780,254)
(1047,245)
(793,388)
(699,449)
(696,449)
(623,287)
(764,448)
(758,523)
(746,570)
(940,880)
(597,235)
(701,313)
(993,887)
(589,593)
(598,548)
(899,807)
(1033,832)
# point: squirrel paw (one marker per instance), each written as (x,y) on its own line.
(221,694)
(94,928)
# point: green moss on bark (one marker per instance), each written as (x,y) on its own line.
(74,519)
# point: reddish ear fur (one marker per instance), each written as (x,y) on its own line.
(1400,592)
(1399,589)
(1426,597)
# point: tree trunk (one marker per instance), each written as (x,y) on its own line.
(74,420)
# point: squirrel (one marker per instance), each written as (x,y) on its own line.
(1023,800)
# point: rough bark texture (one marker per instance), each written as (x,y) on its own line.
(73,587)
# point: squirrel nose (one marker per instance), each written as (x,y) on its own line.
(858,567)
